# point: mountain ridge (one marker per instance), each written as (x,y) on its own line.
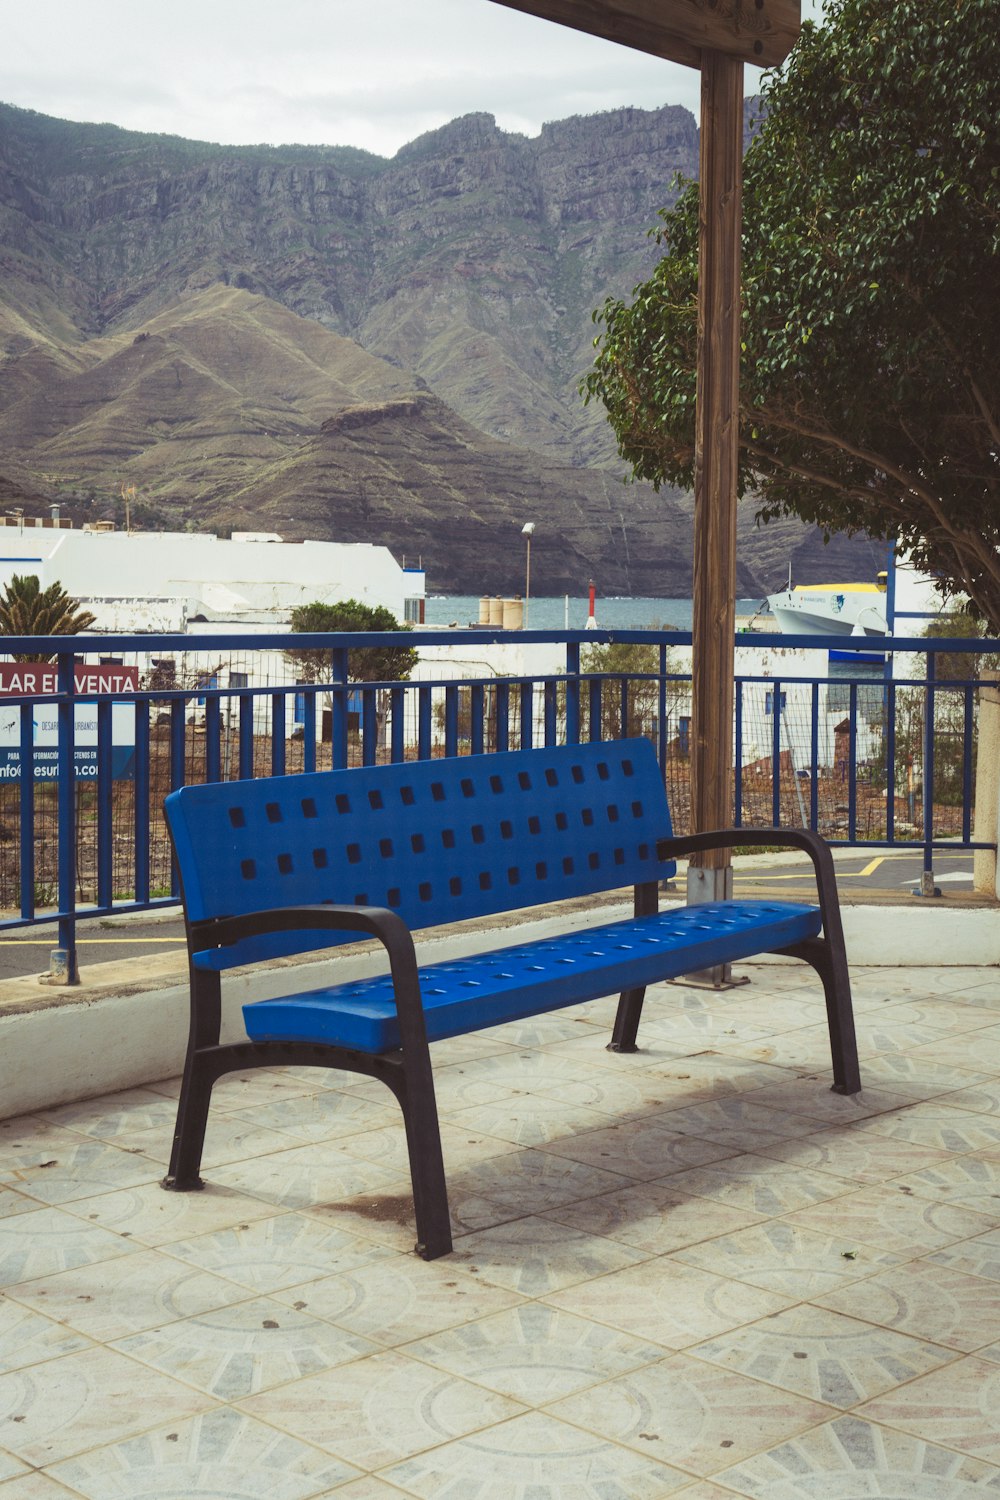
(196,321)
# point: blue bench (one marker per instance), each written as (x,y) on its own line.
(291,864)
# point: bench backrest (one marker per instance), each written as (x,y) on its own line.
(437,840)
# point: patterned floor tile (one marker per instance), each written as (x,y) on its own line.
(67,1405)
(814,1098)
(617,1092)
(672,1304)
(758,1185)
(972,1180)
(855,1155)
(713,1075)
(13,1203)
(535,1353)
(321,1116)
(260,1086)
(804,1051)
(231,1136)
(529,1120)
(780,1257)
(938,1124)
(823,1355)
(982,1098)
(462,1146)
(523,1182)
(305,1176)
(977,1257)
(654,1217)
(958,1407)
(381,1409)
(535,1457)
(848,1459)
(740,1123)
(115,1115)
(690,1031)
(945,1015)
(369,1488)
(269,1254)
(684,1412)
(36,1486)
(927,1301)
(151,1216)
(891,1219)
(65,1165)
(383,1217)
(50,1240)
(919,1077)
(233,1352)
(119,1297)
(28,1338)
(642,1148)
(221,1455)
(536,1255)
(9,1465)
(400,1298)
(976,1050)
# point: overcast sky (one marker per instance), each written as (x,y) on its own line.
(371,73)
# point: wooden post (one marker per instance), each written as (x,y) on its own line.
(716,449)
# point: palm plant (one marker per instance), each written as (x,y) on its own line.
(28,609)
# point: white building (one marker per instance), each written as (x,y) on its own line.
(173,582)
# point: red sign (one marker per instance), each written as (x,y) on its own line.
(37,679)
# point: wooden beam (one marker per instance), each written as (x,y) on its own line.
(716,444)
(762,32)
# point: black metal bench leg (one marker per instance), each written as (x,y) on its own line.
(430,1189)
(626,1024)
(840,1018)
(192,1120)
(830,962)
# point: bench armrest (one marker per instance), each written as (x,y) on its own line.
(385,925)
(794,838)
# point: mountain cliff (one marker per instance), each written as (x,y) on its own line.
(341,345)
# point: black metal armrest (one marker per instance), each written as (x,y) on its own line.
(795,838)
(385,925)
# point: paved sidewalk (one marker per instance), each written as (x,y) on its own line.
(693,1272)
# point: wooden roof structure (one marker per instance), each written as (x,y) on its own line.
(717,37)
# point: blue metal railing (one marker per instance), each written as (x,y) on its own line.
(93,843)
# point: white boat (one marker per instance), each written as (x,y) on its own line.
(830,609)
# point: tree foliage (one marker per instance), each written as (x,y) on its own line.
(364,664)
(635,664)
(871,298)
(28,609)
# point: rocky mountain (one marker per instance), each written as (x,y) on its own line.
(333,344)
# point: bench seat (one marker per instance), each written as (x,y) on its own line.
(280,866)
(531,978)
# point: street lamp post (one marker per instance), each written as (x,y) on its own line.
(527,531)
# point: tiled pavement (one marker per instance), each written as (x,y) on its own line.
(690,1272)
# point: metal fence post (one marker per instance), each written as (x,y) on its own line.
(63,968)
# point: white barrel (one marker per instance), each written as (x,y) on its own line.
(496,610)
(513,614)
(484,610)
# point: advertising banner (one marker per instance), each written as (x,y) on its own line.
(39,679)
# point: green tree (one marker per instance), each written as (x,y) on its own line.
(28,609)
(637,664)
(870,380)
(364,663)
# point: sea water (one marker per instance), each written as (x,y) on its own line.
(570,612)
